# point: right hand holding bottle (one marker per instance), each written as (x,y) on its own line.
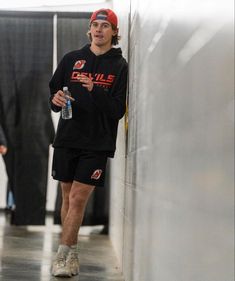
(59,99)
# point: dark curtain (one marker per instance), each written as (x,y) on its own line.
(71,32)
(25,69)
(71,35)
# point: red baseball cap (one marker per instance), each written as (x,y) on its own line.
(105,14)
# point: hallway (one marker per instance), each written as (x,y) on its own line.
(26,254)
(170,186)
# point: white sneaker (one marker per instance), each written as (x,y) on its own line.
(73,262)
(60,266)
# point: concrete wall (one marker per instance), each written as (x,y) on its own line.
(118,164)
(172,208)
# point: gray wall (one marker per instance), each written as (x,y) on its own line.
(118,164)
(172,200)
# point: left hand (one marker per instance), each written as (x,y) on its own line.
(86,82)
(3,149)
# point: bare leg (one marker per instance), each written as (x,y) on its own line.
(75,196)
(66,188)
(74,211)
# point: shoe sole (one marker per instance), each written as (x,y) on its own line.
(61,274)
(75,273)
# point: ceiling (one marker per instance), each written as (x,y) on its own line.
(54,5)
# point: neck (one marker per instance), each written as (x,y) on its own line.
(99,50)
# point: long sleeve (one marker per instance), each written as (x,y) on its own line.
(56,84)
(3,140)
(95,113)
(60,79)
(113,102)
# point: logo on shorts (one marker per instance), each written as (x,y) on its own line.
(96,175)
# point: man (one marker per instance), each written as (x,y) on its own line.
(3,151)
(3,142)
(3,148)
(96,76)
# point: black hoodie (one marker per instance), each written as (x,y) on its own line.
(96,113)
(3,140)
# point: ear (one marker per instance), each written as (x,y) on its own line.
(115,32)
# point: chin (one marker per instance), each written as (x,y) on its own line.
(99,44)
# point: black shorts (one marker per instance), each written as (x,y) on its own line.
(80,165)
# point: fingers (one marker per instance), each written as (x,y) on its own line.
(71,98)
(59,99)
(86,82)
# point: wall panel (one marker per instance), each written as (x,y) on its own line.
(178,207)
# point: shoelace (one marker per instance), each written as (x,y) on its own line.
(61,259)
(73,257)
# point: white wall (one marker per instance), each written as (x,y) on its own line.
(177,214)
(118,165)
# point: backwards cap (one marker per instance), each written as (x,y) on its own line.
(105,14)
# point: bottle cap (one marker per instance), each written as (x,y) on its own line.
(65,88)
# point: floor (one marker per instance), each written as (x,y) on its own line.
(26,254)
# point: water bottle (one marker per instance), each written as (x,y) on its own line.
(67,109)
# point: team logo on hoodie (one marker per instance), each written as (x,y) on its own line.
(100,79)
(96,175)
(79,64)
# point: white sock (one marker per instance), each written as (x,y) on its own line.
(63,249)
(74,248)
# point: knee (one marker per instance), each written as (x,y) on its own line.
(77,200)
(66,188)
(79,195)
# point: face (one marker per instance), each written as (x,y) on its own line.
(102,33)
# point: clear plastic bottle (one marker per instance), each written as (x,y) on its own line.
(67,109)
